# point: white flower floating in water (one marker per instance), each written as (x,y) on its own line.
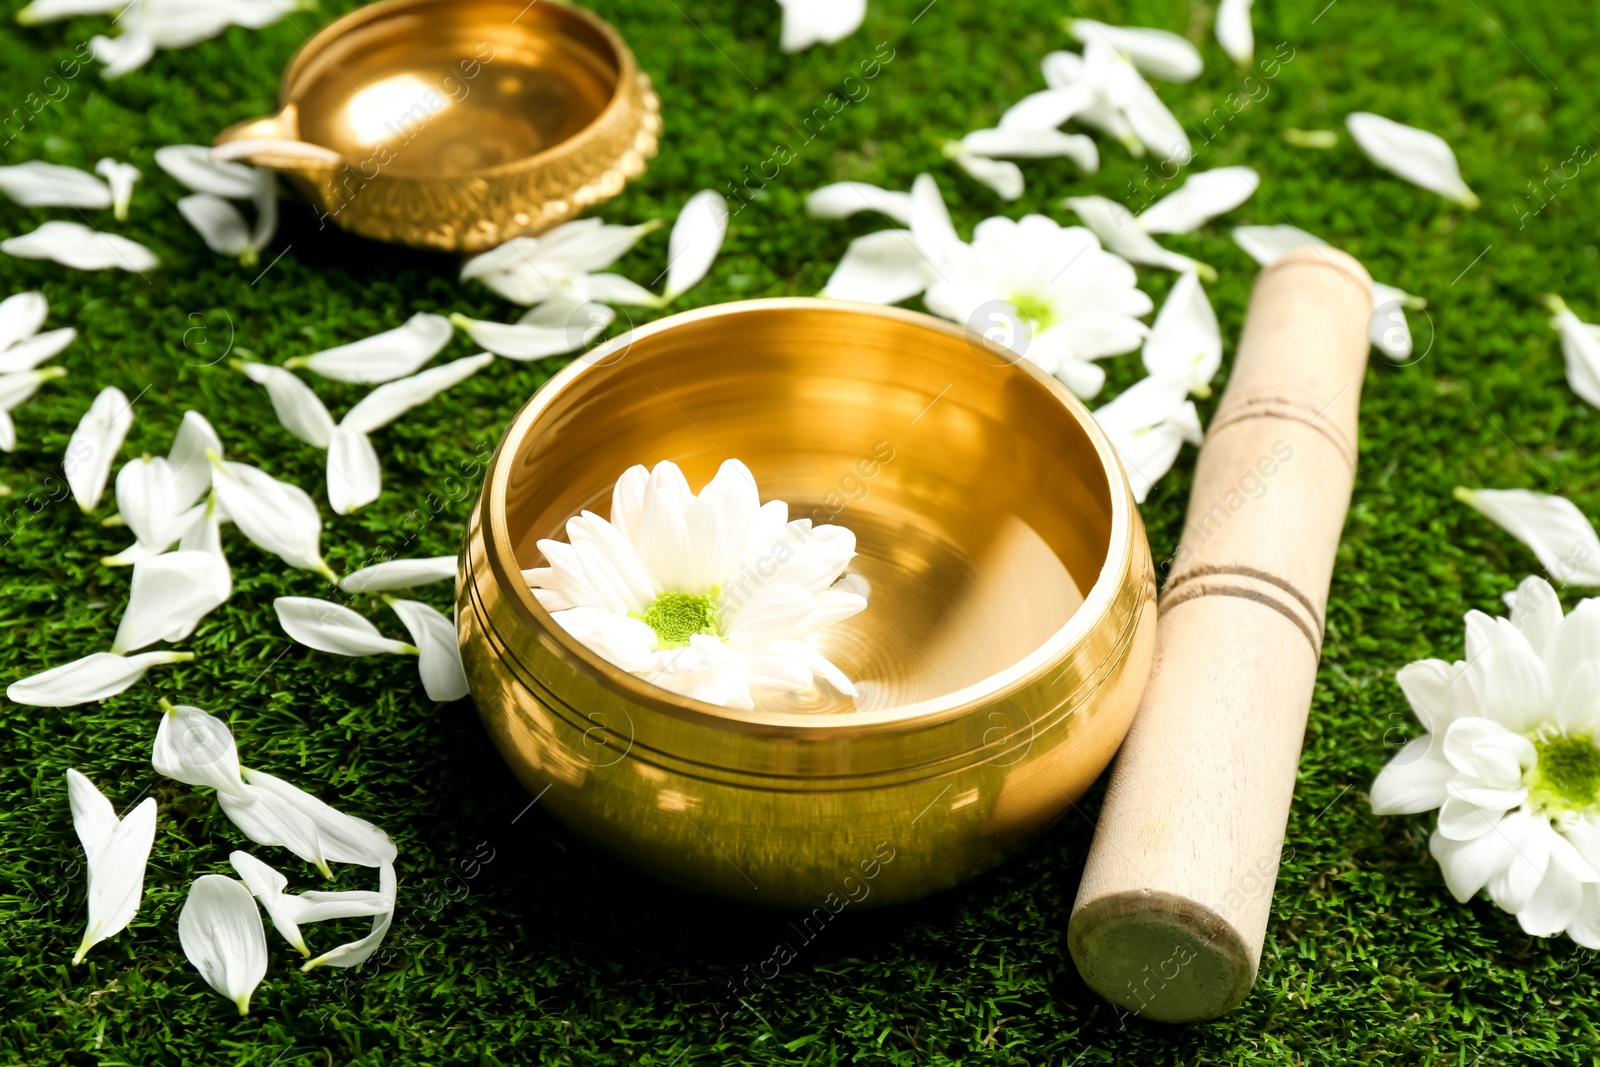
(1510,762)
(1420,157)
(716,597)
(117,850)
(809,22)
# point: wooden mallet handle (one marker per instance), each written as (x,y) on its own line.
(1173,908)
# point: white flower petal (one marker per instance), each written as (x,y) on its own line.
(1233,31)
(1267,244)
(75,245)
(220,225)
(193,166)
(1551,526)
(120,178)
(1004,177)
(1469,865)
(879,268)
(126,52)
(1418,156)
(1185,340)
(329,627)
(289,910)
(843,199)
(388,402)
(1585,929)
(94,444)
(1018,143)
(343,838)
(28,354)
(1201,198)
(1157,53)
(116,850)
(221,933)
(21,316)
(171,593)
(382,357)
(275,516)
(147,500)
(522,342)
(1046,109)
(1414,781)
(626,642)
(94,677)
(191,467)
(809,22)
(40,184)
(267,819)
(439,652)
(1121,233)
(1387,329)
(1529,837)
(54,10)
(1580,347)
(355,478)
(401,574)
(696,239)
(615,289)
(1553,905)
(355,953)
(195,747)
(18,387)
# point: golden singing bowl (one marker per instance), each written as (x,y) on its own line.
(1007,642)
(457,124)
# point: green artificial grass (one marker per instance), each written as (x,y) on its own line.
(516,944)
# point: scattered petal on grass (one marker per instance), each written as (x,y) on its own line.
(117,851)
(194,747)
(1148,424)
(696,239)
(275,516)
(388,402)
(289,910)
(1580,347)
(401,574)
(1233,31)
(1185,340)
(1121,233)
(382,357)
(193,166)
(93,446)
(1157,53)
(1002,176)
(334,628)
(298,407)
(1551,526)
(171,593)
(355,953)
(885,267)
(522,341)
(94,677)
(342,838)
(120,177)
(21,316)
(1420,157)
(1201,198)
(809,22)
(221,933)
(354,477)
(28,354)
(191,467)
(75,245)
(40,184)
(439,650)
(843,199)
(53,10)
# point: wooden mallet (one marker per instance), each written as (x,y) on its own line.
(1172,912)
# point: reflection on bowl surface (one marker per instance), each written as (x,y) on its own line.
(1006,642)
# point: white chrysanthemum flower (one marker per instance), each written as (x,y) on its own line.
(1079,301)
(1510,760)
(716,597)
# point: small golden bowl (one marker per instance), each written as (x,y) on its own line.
(1008,639)
(458,124)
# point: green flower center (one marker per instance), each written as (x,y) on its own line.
(676,617)
(1567,776)
(1038,311)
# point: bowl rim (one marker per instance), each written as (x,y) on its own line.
(627,74)
(507,572)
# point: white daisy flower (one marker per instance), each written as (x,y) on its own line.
(1510,760)
(716,597)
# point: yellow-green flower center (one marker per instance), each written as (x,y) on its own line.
(1567,776)
(676,617)
(1038,311)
